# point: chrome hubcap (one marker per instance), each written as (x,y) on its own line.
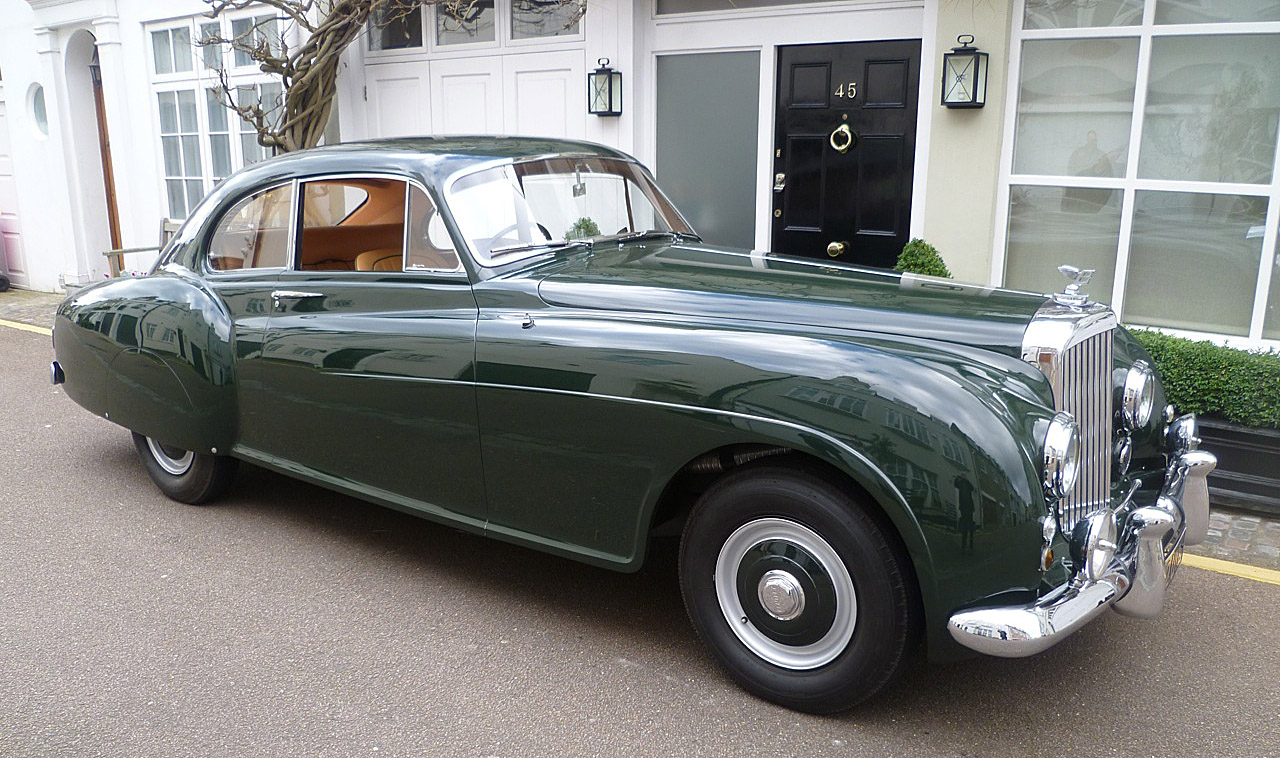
(781,595)
(786,594)
(173,460)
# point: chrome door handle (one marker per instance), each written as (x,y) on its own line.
(281,295)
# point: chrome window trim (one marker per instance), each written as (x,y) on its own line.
(207,270)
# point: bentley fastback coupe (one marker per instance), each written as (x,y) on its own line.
(524,338)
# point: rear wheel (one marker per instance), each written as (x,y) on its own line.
(796,589)
(184,475)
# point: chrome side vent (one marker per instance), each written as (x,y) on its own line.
(1087,395)
(1071,345)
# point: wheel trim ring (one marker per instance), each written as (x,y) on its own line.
(177,466)
(795,657)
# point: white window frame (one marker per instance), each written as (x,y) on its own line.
(502,40)
(200,79)
(1131,184)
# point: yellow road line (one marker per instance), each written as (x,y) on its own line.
(1269,576)
(26,327)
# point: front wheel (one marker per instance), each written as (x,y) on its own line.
(796,589)
(183,475)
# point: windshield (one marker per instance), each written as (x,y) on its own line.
(512,211)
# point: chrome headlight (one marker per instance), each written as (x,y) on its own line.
(1139,396)
(1061,455)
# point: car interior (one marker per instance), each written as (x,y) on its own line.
(349,224)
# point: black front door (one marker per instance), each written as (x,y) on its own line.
(844,150)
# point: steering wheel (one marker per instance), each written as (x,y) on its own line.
(515,227)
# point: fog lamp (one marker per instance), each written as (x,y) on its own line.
(1061,455)
(1093,543)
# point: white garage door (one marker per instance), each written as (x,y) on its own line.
(532,94)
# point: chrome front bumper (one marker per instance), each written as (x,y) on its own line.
(1135,580)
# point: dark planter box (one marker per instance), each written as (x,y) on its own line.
(1248,473)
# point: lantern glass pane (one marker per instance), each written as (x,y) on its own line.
(1075,106)
(960,70)
(598,89)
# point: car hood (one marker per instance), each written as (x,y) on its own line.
(703,281)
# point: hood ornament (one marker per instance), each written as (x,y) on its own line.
(1071,295)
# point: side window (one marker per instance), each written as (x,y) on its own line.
(430,247)
(254,233)
(354,224)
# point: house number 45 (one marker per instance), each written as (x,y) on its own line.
(849,90)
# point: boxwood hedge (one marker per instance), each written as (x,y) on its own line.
(1240,386)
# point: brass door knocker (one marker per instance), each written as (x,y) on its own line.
(842,139)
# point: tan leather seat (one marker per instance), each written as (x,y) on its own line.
(379,260)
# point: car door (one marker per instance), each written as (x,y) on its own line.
(247,252)
(368,358)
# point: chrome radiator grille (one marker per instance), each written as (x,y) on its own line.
(1086,394)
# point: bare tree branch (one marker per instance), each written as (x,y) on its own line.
(308,72)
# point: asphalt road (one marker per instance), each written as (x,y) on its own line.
(291,621)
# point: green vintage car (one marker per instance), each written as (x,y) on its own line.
(525,339)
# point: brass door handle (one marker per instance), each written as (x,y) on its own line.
(835,249)
(842,139)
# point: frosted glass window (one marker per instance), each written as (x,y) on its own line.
(1271,323)
(1050,226)
(1193,262)
(1212,108)
(669,7)
(211,52)
(1215,11)
(171,50)
(535,18)
(1055,14)
(460,22)
(250,32)
(180,151)
(708,171)
(1075,107)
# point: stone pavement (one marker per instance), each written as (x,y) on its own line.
(36,308)
(1233,535)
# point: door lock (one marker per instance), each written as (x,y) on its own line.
(842,139)
(836,249)
(779,182)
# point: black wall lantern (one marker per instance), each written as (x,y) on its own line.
(964,75)
(604,90)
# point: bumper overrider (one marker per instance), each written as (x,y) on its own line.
(1133,583)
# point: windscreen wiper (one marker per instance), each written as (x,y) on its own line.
(547,245)
(652,233)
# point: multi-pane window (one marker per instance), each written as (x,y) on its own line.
(1145,147)
(251,32)
(449,24)
(180,146)
(171,50)
(202,141)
